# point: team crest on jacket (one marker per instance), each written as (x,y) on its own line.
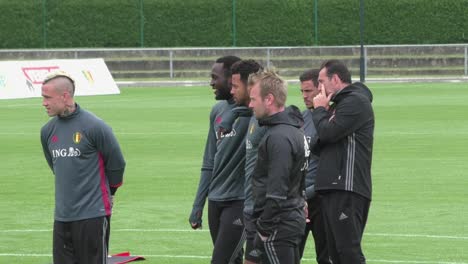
(252,128)
(77,137)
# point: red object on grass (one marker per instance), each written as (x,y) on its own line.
(122,258)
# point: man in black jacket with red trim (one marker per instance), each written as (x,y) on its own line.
(278,179)
(344,120)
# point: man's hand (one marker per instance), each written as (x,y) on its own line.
(306,211)
(262,237)
(258,243)
(321,99)
(195,218)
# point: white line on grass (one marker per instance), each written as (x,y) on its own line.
(413,261)
(24,255)
(160,230)
(117,133)
(311,259)
(174,256)
(416,235)
(25,230)
(206,230)
(208,257)
(37,105)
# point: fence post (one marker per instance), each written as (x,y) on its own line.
(44,24)
(365,62)
(234,29)
(466,60)
(142,25)
(171,64)
(268,57)
(362,67)
(316,22)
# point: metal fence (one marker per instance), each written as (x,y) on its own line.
(381,61)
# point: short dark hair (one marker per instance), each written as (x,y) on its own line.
(337,67)
(310,75)
(227,62)
(244,68)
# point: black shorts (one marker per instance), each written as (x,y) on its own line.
(82,242)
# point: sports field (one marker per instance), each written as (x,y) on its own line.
(419,212)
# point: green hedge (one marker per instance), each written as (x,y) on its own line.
(178,23)
(275,23)
(92,23)
(20,24)
(417,22)
(183,23)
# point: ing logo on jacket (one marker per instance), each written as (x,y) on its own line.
(306,154)
(63,153)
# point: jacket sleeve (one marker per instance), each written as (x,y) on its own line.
(207,166)
(312,165)
(347,117)
(311,174)
(110,154)
(280,161)
(46,151)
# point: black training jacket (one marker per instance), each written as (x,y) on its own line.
(278,179)
(346,135)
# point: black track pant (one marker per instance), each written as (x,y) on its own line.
(345,215)
(282,245)
(80,242)
(316,225)
(251,253)
(227,231)
(108,233)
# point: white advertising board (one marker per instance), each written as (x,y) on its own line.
(23,79)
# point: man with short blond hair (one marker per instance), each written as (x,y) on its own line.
(278,178)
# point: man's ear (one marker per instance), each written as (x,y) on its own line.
(336,79)
(270,99)
(66,95)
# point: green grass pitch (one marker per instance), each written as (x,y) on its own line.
(419,212)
